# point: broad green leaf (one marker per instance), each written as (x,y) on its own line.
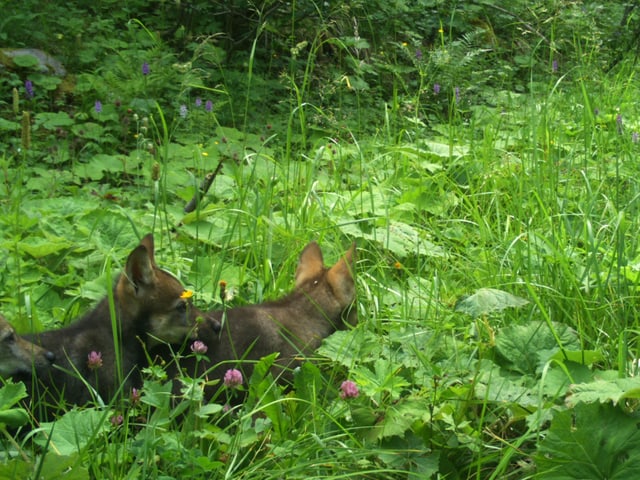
(11,393)
(403,240)
(445,150)
(64,467)
(8,125)
(15,468)
(208,410)
(584,357)
(101,163)
(488,300)
(26,61)
(496,385)
(51,121)
(350,347)
(401,416)
(157,395)
(89,130)
(385,378)
(74,431)
(41,247)
(603,391)
(556,383)
(525,348)
(420,155)
(14,417)
(591,441)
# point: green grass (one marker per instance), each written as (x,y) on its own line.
(535,194)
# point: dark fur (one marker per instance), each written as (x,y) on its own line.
(148,308)
(19,356)
(294,326)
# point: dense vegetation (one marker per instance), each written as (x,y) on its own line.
(483,158)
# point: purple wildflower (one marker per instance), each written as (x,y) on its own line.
(619,122)
(635,137)
(457,92)
(349,390)
(98,106)
(199,347)
(94,360)
(135,395)
(418,54)
(554,66)
(436,88)
(28,86)
(198,102)
(116,420)
(145,68)
(596,112)
(232,378)
(183,111)
(208,106)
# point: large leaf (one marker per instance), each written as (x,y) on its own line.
(399,417)
(384,379)
(403,239)
(74,431)
(350,347)
(41,247)
(603,390)
(488,300)
(525,348)
(592,441)
(11,393)
(494,384)
(51,121)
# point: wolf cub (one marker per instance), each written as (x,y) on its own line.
(96,357)
(19,356)
(293,326)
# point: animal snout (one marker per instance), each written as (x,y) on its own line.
(50,356)
(214,324)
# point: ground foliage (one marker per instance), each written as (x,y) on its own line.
(481,156)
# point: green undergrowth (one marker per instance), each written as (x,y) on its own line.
(497,263)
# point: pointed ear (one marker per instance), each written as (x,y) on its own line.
(147,242)
(139,269)
(310,264)
(341,278)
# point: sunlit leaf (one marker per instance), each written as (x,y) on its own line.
(525,348)
(11,393)
(41,247)
(488,300)
(71,433)
(613,390)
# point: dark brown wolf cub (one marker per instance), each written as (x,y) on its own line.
(293,326)
(19,356)
(151,306)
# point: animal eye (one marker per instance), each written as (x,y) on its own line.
(9,338)
(182,307)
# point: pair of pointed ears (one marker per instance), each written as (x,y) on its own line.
(311,264)
(141,263)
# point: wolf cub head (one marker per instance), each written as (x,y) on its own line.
(18,355)
(146,291)
(331,289)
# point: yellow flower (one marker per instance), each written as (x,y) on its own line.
(404,44)
(187,294)
(440,30)
(205,154)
